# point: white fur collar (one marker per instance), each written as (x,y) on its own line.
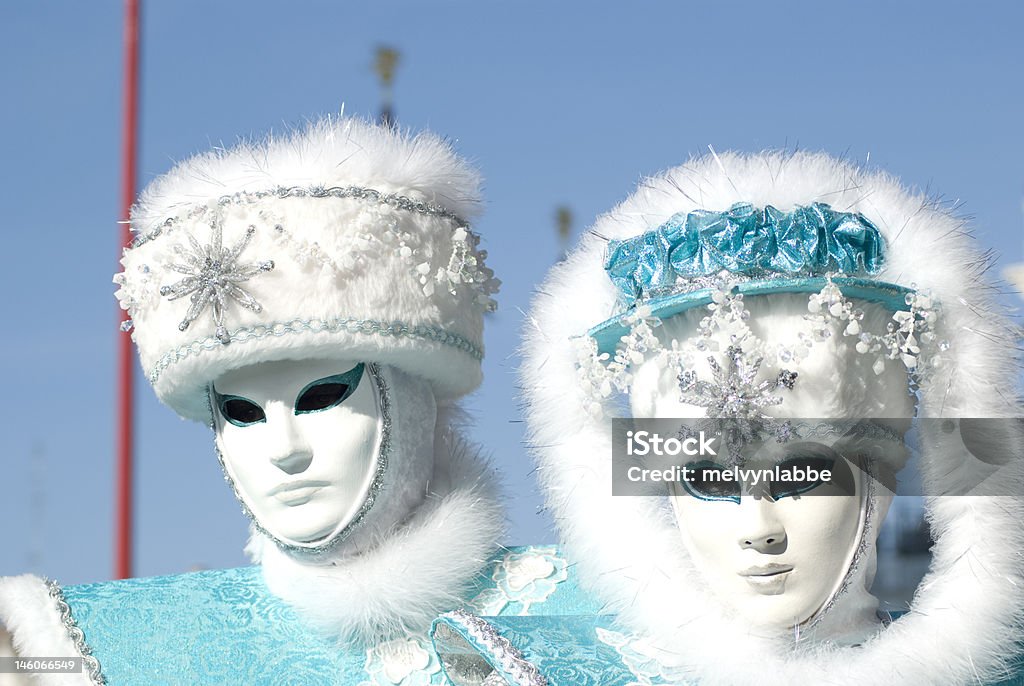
(31,626)
(405,576)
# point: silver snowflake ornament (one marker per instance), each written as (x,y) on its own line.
(212,274)
(734,392)
(735,395)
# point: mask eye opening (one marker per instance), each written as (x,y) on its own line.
(328,392)
(239,411)
(703,486)
(795,489)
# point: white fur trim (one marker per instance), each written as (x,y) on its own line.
(7,650)
(31,618)
(329,152)
(341,278)
(403,576)
(965,620)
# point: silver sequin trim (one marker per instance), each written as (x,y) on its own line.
(77,636)
(351,325)
(500,648)
(863,546)
(384,400)
(865,428)
(370,195)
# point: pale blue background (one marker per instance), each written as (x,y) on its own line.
(557,102)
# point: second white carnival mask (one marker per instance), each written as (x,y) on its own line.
(777,553)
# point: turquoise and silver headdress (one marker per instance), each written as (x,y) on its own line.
(713,259)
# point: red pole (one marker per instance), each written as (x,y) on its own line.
(125,354)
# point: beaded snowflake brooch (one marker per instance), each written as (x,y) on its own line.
(740,390)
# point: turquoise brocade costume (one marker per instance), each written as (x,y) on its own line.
(225,627)
(586,650)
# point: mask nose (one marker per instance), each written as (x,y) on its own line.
(763,531)
(291,452)
(294,462)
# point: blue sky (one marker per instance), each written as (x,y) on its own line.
(558,103)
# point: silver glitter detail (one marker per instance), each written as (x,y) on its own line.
(738,432)
(463,272)
(75,633)
(465,266)
(910,337)
(866,428)
(370,195)
(736,392)
(737,395)
(862,547)
(786,379)
(522,671)
(382,393)
(350,325)
(695,283)
(212,273)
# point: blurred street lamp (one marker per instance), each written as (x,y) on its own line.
(384,65)
(563,225)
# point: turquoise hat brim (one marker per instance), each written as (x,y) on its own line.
(888,295)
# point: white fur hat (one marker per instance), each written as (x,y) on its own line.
(965,621)
(343,239)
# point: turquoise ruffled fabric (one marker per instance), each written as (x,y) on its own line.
(225,627)
(745,240)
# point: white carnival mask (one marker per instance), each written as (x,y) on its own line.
(303,444)
(778,553)
(774,559)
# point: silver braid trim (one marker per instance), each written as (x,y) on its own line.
(864,546)
(369,195)
(77,636)
(499,648)
(350,325)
